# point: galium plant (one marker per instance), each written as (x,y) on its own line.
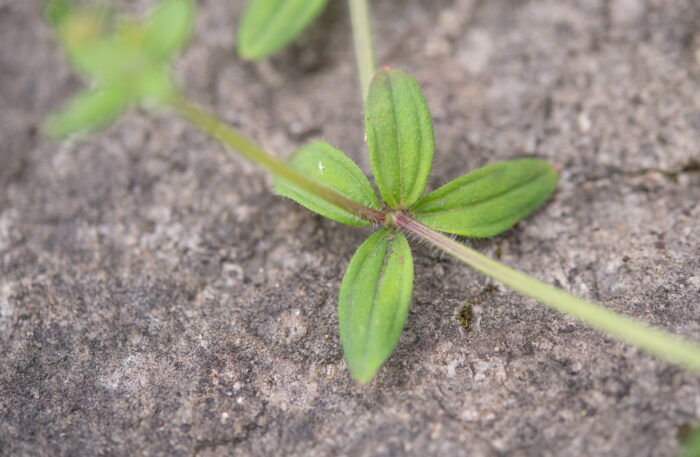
(128,62)
(375,294)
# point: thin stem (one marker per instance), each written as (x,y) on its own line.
(234,139)
(364,46)
(658,342)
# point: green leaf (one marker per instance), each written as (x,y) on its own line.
(268,25)
(58,11)
(93,52)
(400,137)
(89,111)
(374,300)
(169,27)
(489,200)
(156,85)
(331,167)
(104,59)
(691,444)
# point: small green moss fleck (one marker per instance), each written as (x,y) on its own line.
(490,290)
(466,312)
(684,431)
(464,316)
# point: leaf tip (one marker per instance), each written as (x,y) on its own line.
(248,51)
(363,376)
(243,51)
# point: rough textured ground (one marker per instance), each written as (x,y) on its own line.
(157,299)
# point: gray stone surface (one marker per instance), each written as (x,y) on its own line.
(157,299)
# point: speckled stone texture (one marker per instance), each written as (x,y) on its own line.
(157,299)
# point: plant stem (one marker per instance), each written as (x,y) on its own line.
(234,139)
(364,46)
(658,342)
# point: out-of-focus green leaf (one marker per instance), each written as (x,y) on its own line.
(331,167)
(400,137)
(89,111)
(169,27)
(268,25)
(156,86)
(375,297)
(691,444)
(58,10)
(104,59)
(488,200)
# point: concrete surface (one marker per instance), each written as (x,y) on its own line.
(157,299)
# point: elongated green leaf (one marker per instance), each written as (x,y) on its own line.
(89,111)
(105,59)
(374,300)
(488,200)
(268,25)
(92,49)
(168,27)
(331,167)
(400,137)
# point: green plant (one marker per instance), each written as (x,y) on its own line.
(376,289)
(375,294)
(126,61)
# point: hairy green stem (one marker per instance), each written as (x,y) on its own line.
(657,342)
(660,343)
(364,46)
(234,139)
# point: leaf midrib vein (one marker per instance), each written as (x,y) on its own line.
(480,202)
